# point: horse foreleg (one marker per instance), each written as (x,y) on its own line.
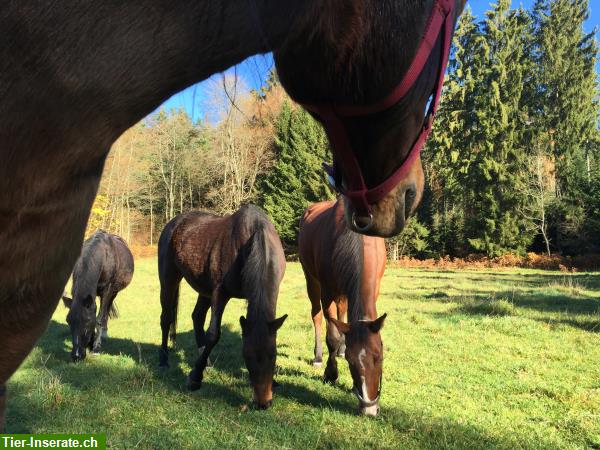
(169,296)
(2,406)
(17,339)
(314,294)
(198,319)
(102,320)
(333,340)
(218,302)
(342,309)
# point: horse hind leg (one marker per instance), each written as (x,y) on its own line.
(314,294)
(342,309)
(169,297)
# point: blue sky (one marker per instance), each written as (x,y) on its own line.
(253,70)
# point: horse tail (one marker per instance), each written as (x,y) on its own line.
(262,271)
(113,312)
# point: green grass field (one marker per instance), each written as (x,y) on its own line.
(473,359)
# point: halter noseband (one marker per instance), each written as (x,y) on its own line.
(363,402)
(331,117)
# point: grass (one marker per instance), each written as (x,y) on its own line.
(473,359)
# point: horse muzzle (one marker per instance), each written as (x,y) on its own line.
(78,354)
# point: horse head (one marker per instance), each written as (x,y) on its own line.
(259,349)
(368,71)
(82,322)
(364,353)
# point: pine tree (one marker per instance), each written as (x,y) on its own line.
(296,180)
(444,200)
(565,111)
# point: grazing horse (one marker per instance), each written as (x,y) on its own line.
(104,268)
(223,257)
(75,77)
(341,267)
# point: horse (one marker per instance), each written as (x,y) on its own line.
(240,256)
(343,270)
(104,268)
(73,78)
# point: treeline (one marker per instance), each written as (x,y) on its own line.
(262,149)
(514,161)
(513,164)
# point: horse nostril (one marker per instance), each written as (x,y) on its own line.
(263,406)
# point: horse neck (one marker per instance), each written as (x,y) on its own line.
(138,55)
(85,276)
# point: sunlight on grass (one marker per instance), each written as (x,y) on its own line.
(473,359)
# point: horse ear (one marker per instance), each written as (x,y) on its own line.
(377,324)
(67,301)
(342,327)
(276,324)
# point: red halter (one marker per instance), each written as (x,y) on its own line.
(331,116)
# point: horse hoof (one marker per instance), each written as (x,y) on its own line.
(193,385)
(316,363)
(341,355)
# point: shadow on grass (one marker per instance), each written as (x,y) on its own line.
(409,428)
(85,376)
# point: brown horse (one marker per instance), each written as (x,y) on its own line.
(223,257)
(345,268)
(104,268)
(73,78)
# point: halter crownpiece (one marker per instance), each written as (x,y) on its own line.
(331,117)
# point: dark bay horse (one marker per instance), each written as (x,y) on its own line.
(74,77)
(223,257)
(104,268)
(343,266)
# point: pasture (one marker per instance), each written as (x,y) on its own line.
(473,359)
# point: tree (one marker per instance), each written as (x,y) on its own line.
(296,179)
(565,108)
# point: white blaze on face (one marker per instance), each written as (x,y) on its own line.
(368,410)
(361,357)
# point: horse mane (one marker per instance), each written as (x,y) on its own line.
(347,260)
(88,267)
(260,270)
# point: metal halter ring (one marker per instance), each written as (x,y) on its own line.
(367,227)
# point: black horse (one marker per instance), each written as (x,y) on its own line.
(104,268)
(223,257)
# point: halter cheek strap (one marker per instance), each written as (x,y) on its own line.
(440,23)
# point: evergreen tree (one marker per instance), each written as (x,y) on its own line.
(444,158)
(495,148)
(296,180)
(565,112)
